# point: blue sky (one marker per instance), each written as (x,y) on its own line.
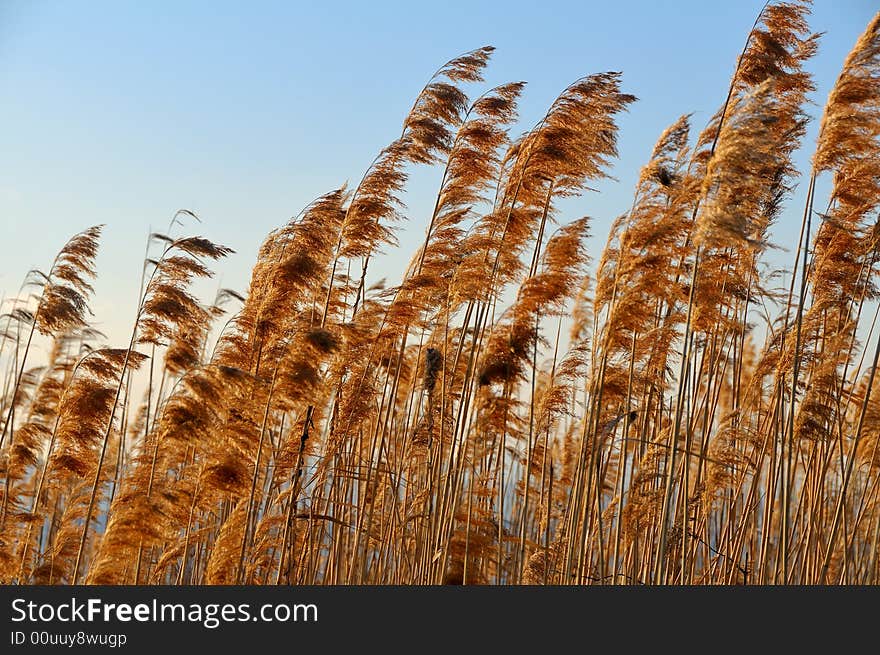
(122,112)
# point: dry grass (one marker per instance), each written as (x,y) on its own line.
(508,413)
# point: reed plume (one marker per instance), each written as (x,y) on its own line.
(507,411)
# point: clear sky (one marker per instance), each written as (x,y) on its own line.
(122,112)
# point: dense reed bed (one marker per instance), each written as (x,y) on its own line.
(515,409)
